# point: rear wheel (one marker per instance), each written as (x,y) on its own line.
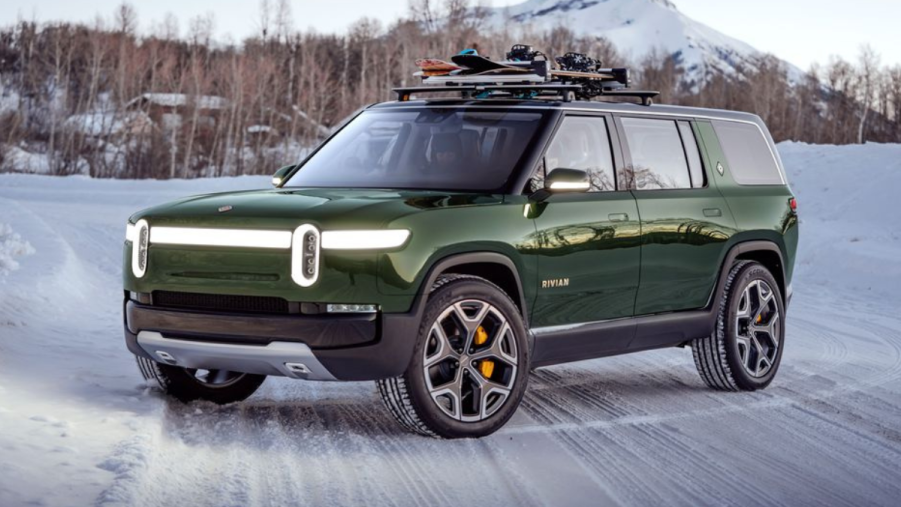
(189,384)
(470,366)
(745,350)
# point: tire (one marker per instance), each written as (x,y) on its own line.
(452,397)
(745,349)
(186,385)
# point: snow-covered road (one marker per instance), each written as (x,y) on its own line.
(78,427)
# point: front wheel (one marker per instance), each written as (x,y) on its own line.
(745,349)
(189,384)
(470,365)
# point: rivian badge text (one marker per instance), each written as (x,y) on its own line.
(553,283)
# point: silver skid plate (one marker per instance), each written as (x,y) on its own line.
(294,360)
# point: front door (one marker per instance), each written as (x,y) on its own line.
(587,243)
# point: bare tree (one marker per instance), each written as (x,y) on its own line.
(868,72)
(279,92)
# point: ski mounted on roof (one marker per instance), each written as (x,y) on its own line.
(525,74)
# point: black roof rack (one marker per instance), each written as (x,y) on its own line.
(567,92)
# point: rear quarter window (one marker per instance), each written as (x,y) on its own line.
(747,153)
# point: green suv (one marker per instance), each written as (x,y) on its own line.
(445,248)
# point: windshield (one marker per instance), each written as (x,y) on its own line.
(436,149)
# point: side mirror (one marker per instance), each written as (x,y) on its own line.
(562,180)
(279,177)
(567,180)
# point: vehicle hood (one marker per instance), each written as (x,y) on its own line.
(278,208)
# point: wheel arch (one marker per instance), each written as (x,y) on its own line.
(772,260)
(497,268)
(765,252)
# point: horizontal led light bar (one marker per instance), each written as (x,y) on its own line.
(131,232)
(220,237)
(364,240)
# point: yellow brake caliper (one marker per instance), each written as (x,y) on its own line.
(486,367)
(481,336)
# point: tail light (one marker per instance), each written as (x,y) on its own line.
(793,203)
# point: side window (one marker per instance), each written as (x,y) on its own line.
(658,156)
(748,153)
(581,143)
(695,167)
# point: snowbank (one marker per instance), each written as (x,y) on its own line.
(16,159)
(11,245)
(850,216)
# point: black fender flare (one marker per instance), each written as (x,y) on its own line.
(446,263)
(733,254)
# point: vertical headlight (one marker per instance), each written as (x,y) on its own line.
(305,255)
(139,247)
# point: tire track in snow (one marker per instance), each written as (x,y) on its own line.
(271,455)
(833,361)
(640,430)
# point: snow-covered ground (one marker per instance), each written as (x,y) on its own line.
(78,427)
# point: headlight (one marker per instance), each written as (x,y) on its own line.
(140,243)
(305,255)
(364,240)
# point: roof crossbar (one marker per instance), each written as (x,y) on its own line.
(403,94)
(566,91)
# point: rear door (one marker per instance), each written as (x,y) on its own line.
(587,243)
(685,222)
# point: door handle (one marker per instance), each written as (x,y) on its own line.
(618,217)
(713,212)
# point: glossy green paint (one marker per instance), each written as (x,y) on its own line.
(456,225)
(762,212)
(590,241)
(664,255)
(682,242)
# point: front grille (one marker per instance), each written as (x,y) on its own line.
(220,302)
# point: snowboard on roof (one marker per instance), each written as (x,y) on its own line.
(480,64)
(581,75)
(436,67)
(435,64)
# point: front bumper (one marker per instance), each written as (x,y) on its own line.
(313,347)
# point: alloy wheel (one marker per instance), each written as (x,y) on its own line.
(757,328)
(470,360)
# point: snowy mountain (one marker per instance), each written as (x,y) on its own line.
(636,27)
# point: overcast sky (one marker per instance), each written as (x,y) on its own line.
(800,31)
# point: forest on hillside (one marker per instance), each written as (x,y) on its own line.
(108,100)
